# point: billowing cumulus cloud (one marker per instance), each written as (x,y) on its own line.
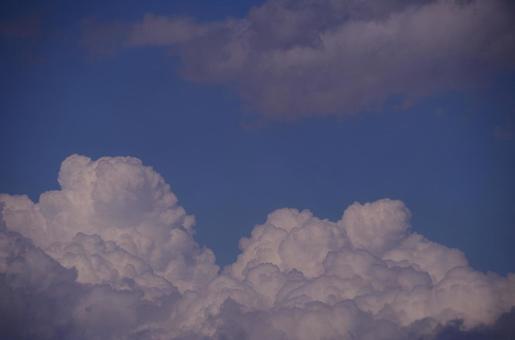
(292,59)
(111,255)
(114,219)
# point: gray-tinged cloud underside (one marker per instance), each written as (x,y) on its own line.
(111,255)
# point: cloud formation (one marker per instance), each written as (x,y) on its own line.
(111,255)
(291,59)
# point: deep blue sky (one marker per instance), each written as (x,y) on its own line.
(441,156)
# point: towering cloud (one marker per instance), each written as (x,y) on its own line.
(291,58)
(111,255)
(114,219)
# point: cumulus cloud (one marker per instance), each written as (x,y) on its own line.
(114,219)
(292,59)
(111,255)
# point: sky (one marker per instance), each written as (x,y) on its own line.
(386,120)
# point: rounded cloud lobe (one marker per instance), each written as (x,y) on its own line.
(111,255)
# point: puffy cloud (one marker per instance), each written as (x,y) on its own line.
(36,293)
(115,219)
(40,299)
(292,59)
(111,255)
(376,226)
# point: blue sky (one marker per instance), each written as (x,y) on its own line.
(449,155)
(391,122)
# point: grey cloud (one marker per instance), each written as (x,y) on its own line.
(503,329)
(292,59)
(24,27)
(111,255)
(37,294)
(40,299)
(158,30)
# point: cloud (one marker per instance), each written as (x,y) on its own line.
(24,27)
(293,59)
(111,255)
(114,218)
(158,30)
(503,329)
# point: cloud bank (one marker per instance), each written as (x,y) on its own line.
(290,59)
(111,255)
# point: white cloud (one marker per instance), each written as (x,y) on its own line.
(112,255)
(131,221)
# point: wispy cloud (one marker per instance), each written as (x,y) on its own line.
(292,59)
(24,27)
